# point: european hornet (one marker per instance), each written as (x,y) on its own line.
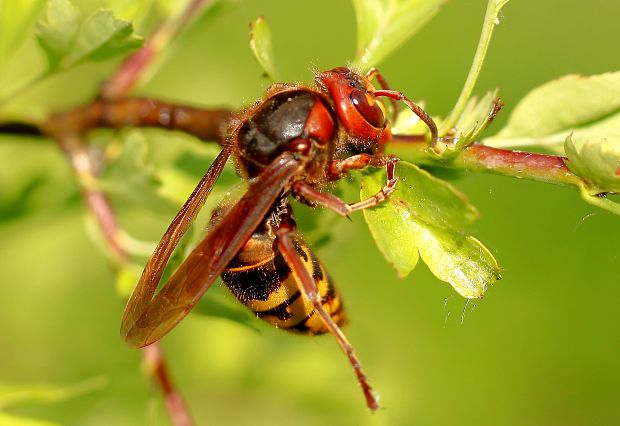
(290,143)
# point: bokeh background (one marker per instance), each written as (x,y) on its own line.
(541,349)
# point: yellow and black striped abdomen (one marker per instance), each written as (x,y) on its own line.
(261,280)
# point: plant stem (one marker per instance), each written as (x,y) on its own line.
(99,206)
(205,124)
(135,68)
(155,364)
(519,164)
(208,124)
(160,115)
(490,21)
(96,201)
(481,158)
(600,201)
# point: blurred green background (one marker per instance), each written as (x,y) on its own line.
(541,348)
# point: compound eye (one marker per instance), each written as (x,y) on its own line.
(369,108)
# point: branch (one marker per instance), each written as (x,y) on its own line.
(205,124)
(135,67)
(68,129)
(491,20)
(96,201)
(99,206)
(481,158)
(520,164)
(210,124)
(153,358)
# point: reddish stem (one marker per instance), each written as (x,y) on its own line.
(206,124)
(528,165)
(134,68)
(481,158)
(99,205)
(155,363)
(95,200)
(128,74)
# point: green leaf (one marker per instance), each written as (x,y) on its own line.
(460,260)
(17,395)
(586,106)
(57,30)
(391,227)
(16,19)
(597,162)
(427,217)
(476,112)
(10,420)
(177,184)
(476,117)
(383,25)
(432,200)
(131,176)
(103,37)
(67,42)
(260,43)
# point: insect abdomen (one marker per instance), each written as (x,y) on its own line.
(260,279)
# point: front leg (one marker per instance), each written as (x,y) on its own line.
(337,168)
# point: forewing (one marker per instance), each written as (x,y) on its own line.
(154,269)
(198,272)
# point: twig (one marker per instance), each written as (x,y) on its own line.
(491,20)
(155,364)
(519,164)
(205,124)
(119,114)
(97,203)
(209,124)
(486,159)
(135,67)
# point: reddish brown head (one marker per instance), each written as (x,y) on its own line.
(360,112)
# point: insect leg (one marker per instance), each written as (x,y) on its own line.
(309,289)
(417,110)
(375,73)
(334,203)
(338,167)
